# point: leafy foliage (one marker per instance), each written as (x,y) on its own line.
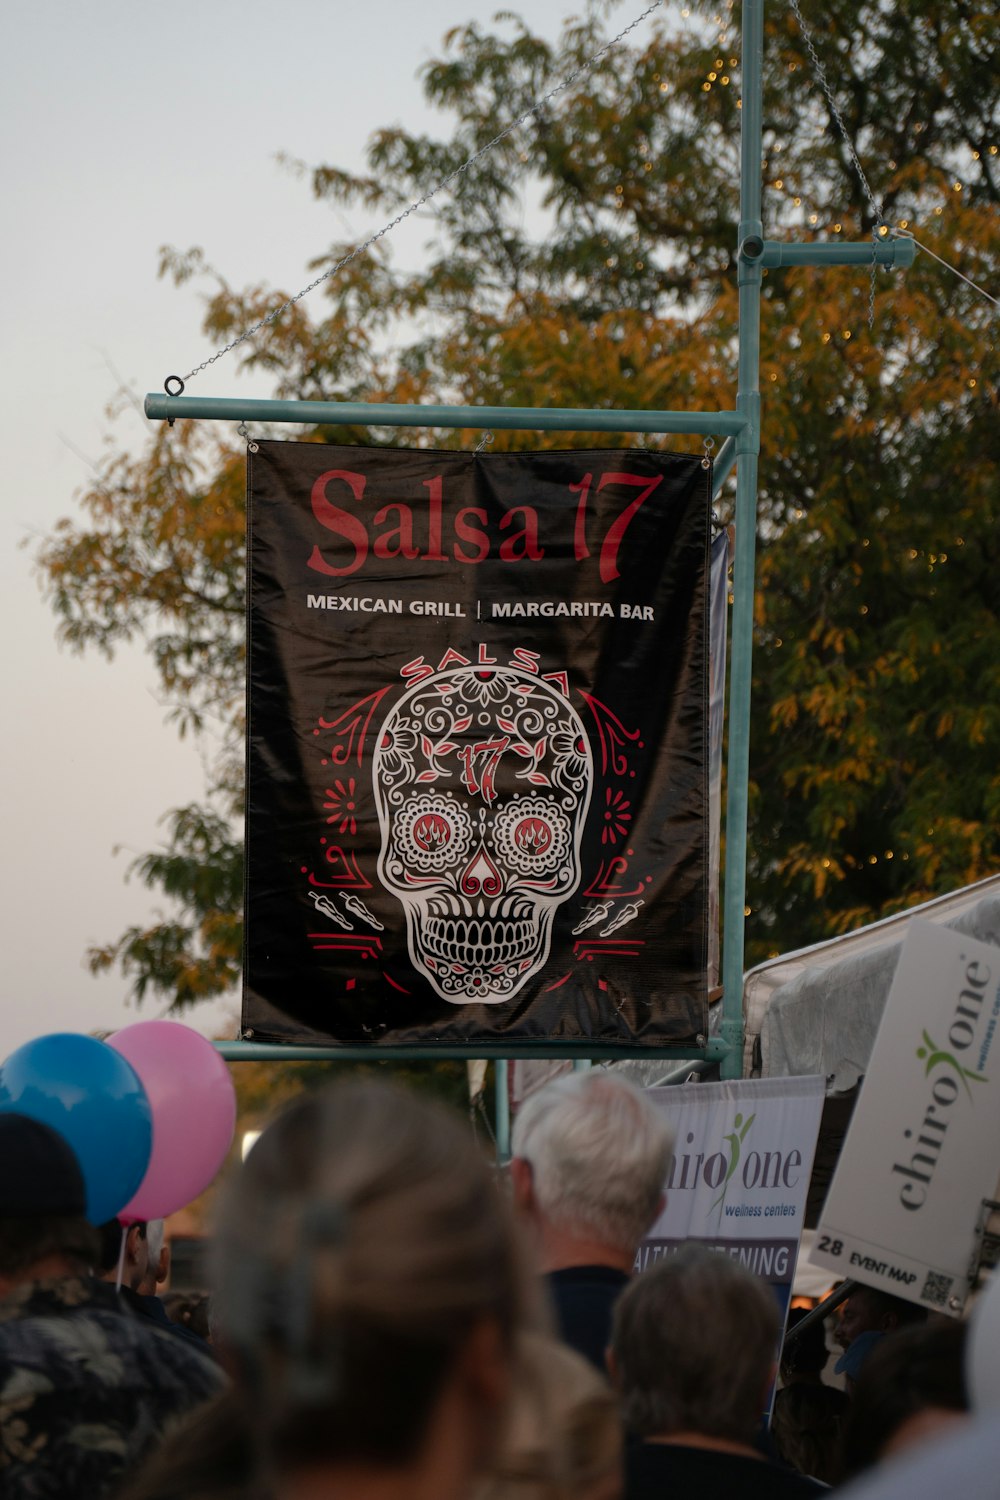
(589,260)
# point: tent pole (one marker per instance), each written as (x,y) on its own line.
(747,449)
(501,1105)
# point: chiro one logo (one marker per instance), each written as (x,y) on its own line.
(934,1057)
(950,1080)
(738,1162)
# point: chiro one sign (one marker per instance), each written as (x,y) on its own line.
(740,1172)
(923,1149)
(478,746)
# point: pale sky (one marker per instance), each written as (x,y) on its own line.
(125,127)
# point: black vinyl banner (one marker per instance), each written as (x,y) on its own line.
(478,747)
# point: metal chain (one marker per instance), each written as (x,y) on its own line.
(707,446)
(486,438)
(876,206)
(372,239)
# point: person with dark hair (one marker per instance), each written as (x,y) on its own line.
(808,1416)
(85,1386)
(123,1246)
(911,1388)
(863,1319)
(692,1355)
(963,1458)
(126,1248)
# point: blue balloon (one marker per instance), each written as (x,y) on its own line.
(89,1094)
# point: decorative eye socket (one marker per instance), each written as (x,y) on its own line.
(533,835)
(431,833)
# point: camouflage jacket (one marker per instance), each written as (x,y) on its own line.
(86,1387)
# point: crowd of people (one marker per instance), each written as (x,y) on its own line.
(389,1322)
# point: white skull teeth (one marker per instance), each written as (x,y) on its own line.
(475,944)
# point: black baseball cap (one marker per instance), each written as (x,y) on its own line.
(39,1173)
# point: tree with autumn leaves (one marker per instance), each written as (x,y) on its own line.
(875,756)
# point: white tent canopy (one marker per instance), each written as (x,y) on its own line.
(817,1010)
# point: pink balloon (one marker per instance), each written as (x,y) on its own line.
(194,1113)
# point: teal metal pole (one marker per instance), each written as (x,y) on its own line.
(747,449)
(501,1079)
(375,414)
(886,252)
(251,1051)
(724,465)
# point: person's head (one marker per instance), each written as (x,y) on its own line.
(43,1231)
(563,1437)
(368,1281)
(693,1348)
(590,1159)
(912,1385)
(134,1258)
(867,1310)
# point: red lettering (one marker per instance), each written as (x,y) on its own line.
(484,660)
(403,533)
(472,534)
(580,548)
(528,536)
(418,669)
(470,542)
(492,750)
(340,522)
(527,659)
(435,493)
(450,656)
(618,528)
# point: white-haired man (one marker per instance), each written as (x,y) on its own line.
(590,1159)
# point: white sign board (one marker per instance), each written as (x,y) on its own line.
(739,1177)
(923,1147)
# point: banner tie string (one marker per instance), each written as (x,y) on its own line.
(904,234)
(880,228)
(533,109)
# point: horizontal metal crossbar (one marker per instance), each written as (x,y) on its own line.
(886,252)
(714,1050)
(375,414)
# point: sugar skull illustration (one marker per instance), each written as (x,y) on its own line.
(482,778)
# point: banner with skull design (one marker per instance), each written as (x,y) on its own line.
(478,747)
